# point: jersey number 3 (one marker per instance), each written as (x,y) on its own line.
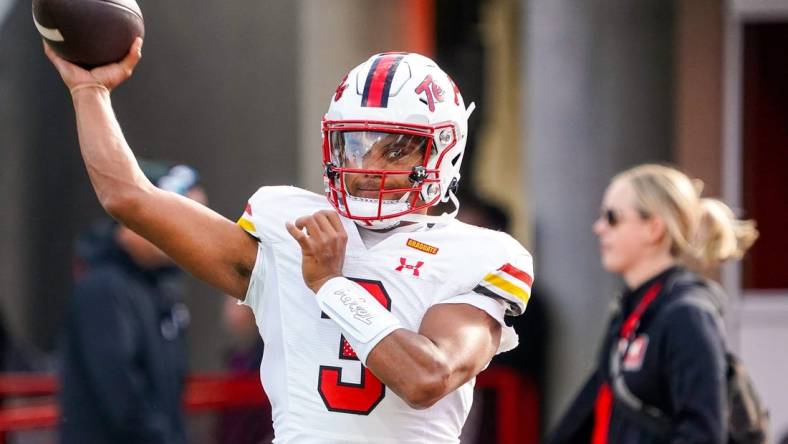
(348,397)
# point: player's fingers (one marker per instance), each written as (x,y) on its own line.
(336,222)
(133,57)
(313,230)
(298,235)
(325,225)
(300,223)
(52,56)
(335,232)
(47,50)
(136,49)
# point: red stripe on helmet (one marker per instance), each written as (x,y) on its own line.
(378,84)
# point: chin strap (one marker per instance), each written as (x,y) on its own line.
(444,218)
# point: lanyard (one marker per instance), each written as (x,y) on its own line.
(633,320)
(603,405)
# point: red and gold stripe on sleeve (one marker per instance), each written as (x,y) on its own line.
(508,282)
(245,221)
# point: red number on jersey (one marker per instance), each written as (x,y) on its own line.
(348,397)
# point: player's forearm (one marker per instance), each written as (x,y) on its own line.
(415,368)
(111,165)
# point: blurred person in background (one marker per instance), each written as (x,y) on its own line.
(243,425)
(17,355)
(529,359)
(664,345)
(123,350)
(376,316)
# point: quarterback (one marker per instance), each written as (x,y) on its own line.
(376,315)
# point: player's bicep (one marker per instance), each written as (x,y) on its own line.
(467,336)
(203,242)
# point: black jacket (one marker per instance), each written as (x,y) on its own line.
(123,356)
(682,371)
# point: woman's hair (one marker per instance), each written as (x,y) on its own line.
(701,232)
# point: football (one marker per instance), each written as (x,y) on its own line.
(89,32)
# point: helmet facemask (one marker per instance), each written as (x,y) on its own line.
(377,173)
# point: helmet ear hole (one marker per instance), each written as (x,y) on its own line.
(453,186)
(428,192)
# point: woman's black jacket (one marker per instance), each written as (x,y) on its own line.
(680,368)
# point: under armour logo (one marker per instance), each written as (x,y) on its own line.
(404,265)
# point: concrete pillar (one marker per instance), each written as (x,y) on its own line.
(598,94)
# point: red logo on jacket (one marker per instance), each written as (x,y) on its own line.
(633,360)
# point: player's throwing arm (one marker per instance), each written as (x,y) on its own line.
(203,242)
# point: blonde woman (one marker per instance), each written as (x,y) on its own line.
(664,347)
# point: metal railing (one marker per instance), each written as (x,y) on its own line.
(516,400)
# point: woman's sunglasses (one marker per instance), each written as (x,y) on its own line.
(610,216)
(613,217)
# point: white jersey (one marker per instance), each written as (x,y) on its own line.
(319,391)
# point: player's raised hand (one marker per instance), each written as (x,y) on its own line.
(109,76)
(322,239)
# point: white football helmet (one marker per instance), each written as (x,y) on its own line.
(398,119)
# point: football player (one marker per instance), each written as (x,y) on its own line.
(376,315)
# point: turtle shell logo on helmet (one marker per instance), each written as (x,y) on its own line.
(392,143)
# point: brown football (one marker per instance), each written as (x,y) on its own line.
(89,32)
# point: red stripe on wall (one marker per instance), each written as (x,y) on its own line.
(420,19)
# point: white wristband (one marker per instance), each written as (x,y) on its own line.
(363,320)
